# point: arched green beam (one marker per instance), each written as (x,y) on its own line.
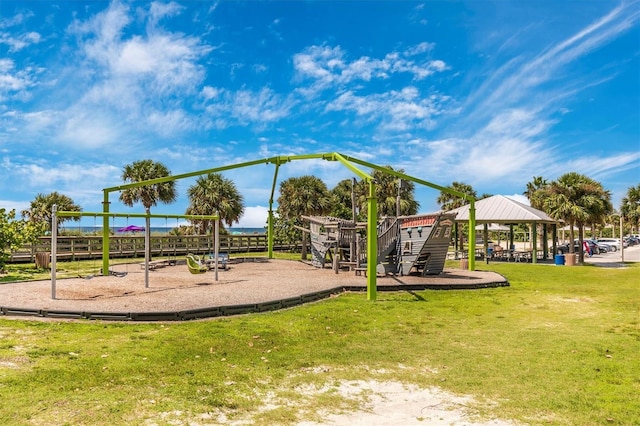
(334,156)
(279,160)
(472,201)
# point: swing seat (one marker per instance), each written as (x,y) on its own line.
(194,265)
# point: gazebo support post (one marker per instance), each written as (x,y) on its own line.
(554,235)
(545,239)
(485,238)
(534,248)
(511,244)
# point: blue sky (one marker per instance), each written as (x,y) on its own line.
(490,93)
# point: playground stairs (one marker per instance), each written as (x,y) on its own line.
(388,238)
(406,245)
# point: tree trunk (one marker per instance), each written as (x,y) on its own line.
(571,237)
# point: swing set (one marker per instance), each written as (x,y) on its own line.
(55,214)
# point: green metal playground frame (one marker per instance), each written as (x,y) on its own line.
(351,163)
(105,236)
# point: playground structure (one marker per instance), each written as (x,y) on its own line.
(350,163)
(405,245)
(105,252)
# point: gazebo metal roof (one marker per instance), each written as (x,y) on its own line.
(500,209)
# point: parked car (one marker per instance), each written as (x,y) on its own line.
(612,242)
(602,247)
(595,249)
(632,241)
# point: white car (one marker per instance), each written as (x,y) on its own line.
(613,242)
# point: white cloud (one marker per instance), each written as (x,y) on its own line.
(519,198)
(18,206)
(209,92)
(247,106)
(20,42)
(89,130)
(597,166)
(516,80)
(329,66)
(395,110)
(14,82)
(46,176)
(419,49)
(17,19)
(139,76)
(508,117)
(253,217)
(158,10)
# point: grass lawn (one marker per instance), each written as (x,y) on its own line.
(560,346)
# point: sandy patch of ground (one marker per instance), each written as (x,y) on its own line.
(396,404)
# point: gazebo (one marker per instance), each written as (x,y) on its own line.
(502,210)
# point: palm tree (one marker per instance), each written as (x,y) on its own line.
(389,188)
(449,202)
(341,201)
(306,195)
(148,195)
(630,207)
(389,191)
(578,200)
(536,192)
(39,210)
(214,193)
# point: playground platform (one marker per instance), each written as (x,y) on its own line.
(250,286)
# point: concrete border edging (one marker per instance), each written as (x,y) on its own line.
(231,310)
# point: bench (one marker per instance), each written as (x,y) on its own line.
(158,264)
(223,260)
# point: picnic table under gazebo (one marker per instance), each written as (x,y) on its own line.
(502,210)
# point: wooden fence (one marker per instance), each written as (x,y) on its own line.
(90,247)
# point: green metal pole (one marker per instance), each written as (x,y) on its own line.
(372,242)
(270,217)
(54,249)
(472,235)
(105,235)
(270,233)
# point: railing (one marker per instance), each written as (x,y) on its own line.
(90,247)
(388,232)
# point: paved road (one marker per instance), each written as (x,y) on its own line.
(631,254)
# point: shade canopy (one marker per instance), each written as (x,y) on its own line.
(493,227)
(500,209)
(131,228)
